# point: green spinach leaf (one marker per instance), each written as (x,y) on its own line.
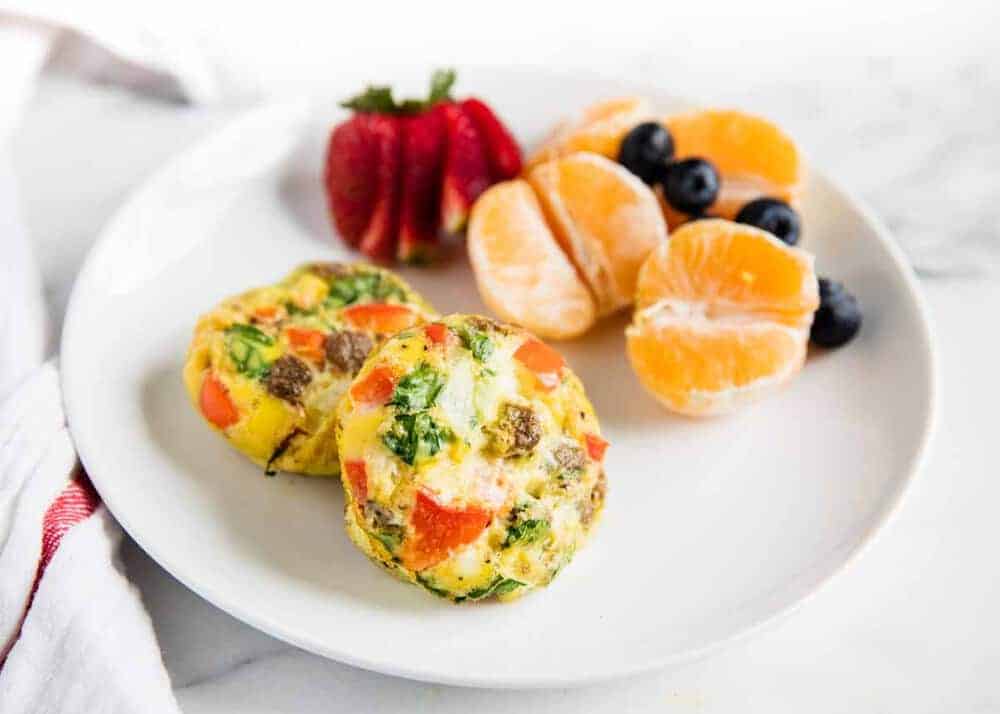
(428,585)
(294,309)
(418,390)
(528,531)
(478,343)
(250,334)
(413,437)
(499,586)
(391,540)
(359,287)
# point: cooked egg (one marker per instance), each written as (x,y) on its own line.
(472,459)
(267,368)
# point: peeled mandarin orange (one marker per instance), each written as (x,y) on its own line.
(598,128)
(723,315)
(605,218)
(522,273)
(753,156)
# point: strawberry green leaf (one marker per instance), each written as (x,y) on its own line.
(441,83)
(373,99)
(379,99)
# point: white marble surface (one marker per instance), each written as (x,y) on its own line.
(912,626)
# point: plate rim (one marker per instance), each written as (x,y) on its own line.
(275,629)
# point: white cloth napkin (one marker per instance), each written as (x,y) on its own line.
(78,636)
(74,634)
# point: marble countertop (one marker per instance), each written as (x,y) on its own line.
(911,626)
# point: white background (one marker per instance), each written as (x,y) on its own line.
(900,101)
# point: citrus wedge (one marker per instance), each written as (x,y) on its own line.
(754,157)
(598,128)
(606,220)
(522,273)
(723,315)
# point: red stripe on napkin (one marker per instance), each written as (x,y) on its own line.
(76,502)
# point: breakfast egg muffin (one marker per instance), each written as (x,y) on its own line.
(267,368)
(471,459)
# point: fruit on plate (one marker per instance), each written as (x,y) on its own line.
(266,368)
(723,313)
(563,248)
(466,169)
(522,273)
(606,220)
(838,318)
(473,460)
(401,176)
(774,216)
(599,128)
(647,150)
(753,156)
(691,186)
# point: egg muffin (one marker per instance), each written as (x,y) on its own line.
(266,368)
(472,459)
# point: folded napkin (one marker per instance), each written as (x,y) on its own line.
(74,634)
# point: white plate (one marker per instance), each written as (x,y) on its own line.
(712,528)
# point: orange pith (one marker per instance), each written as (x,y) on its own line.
(522,273)
(723,315)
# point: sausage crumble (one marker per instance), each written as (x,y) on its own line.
(517,431)
(347,350)
(288,378)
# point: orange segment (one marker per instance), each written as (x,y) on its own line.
(728,269)
(523,275)
(712,368)
(606,220)
(754,157)
(723,316)
(598,128)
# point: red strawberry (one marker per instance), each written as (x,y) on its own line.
(397,173)
(379,238)
(350,176)
(423,157)
(502,150)
(466,172)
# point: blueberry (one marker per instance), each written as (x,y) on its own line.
(839,316)
(646,151)
(774,216)
(691,185)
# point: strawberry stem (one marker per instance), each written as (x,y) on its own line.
(441,83)
(379,99)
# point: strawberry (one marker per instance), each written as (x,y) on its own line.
(379,238)
(466,171)
(350,176)
(398,173)
(502,150)
(423,157)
